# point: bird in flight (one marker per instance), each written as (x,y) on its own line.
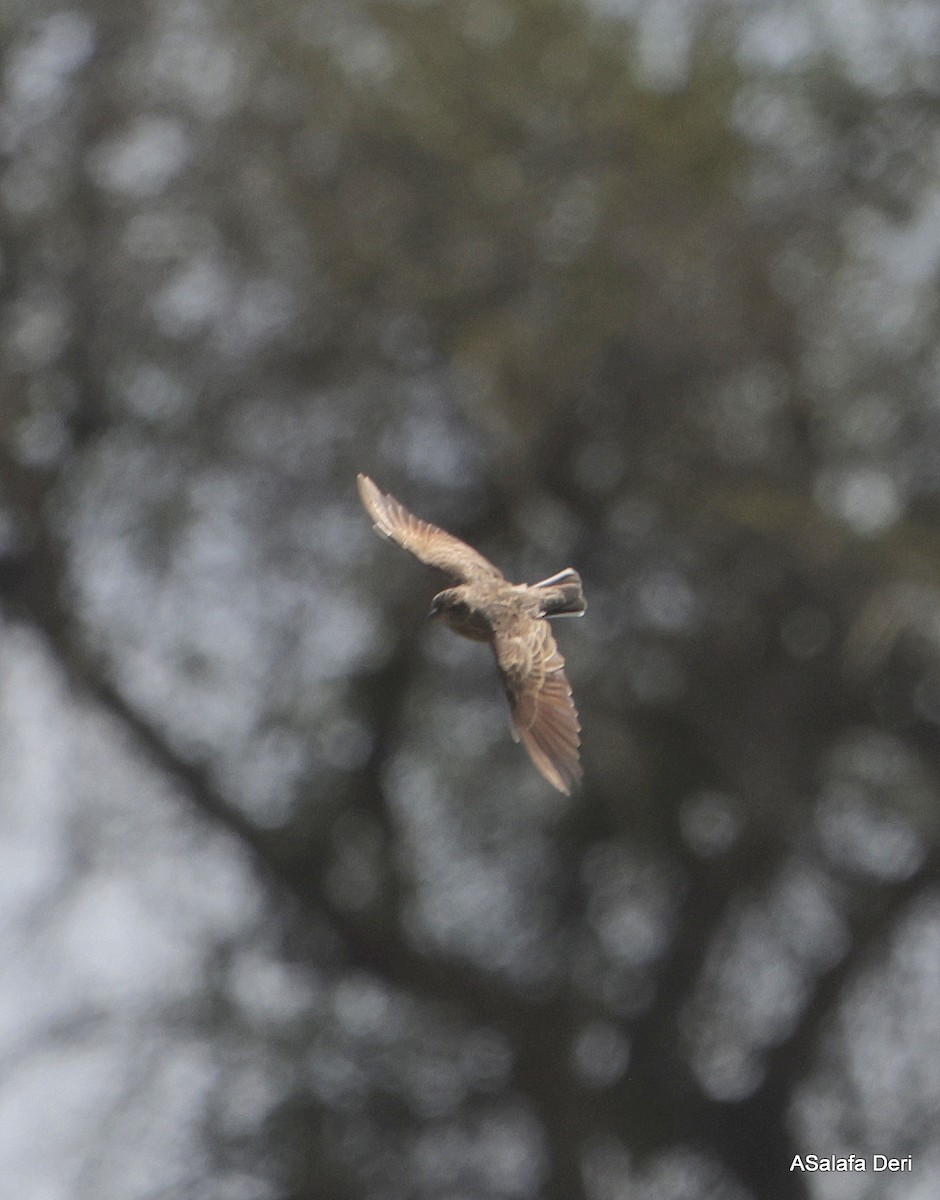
(485,607)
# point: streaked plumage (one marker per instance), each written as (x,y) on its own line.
(484,606)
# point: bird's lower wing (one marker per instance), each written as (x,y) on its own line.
(542,708)
(425,541)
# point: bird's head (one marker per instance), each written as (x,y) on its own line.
(448,603)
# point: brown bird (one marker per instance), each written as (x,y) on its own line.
(485,607)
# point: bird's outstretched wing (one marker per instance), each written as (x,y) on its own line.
(425,541)
(544,717)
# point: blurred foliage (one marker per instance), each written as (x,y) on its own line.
(648,288)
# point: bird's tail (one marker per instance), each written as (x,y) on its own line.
(563,595)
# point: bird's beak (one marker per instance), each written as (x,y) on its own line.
(434,613)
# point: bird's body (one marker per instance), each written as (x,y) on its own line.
(485,607)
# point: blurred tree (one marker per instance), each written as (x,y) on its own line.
(648,288)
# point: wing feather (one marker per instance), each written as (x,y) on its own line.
(541,705)
(425,541)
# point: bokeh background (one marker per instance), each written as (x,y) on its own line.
(648,287)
